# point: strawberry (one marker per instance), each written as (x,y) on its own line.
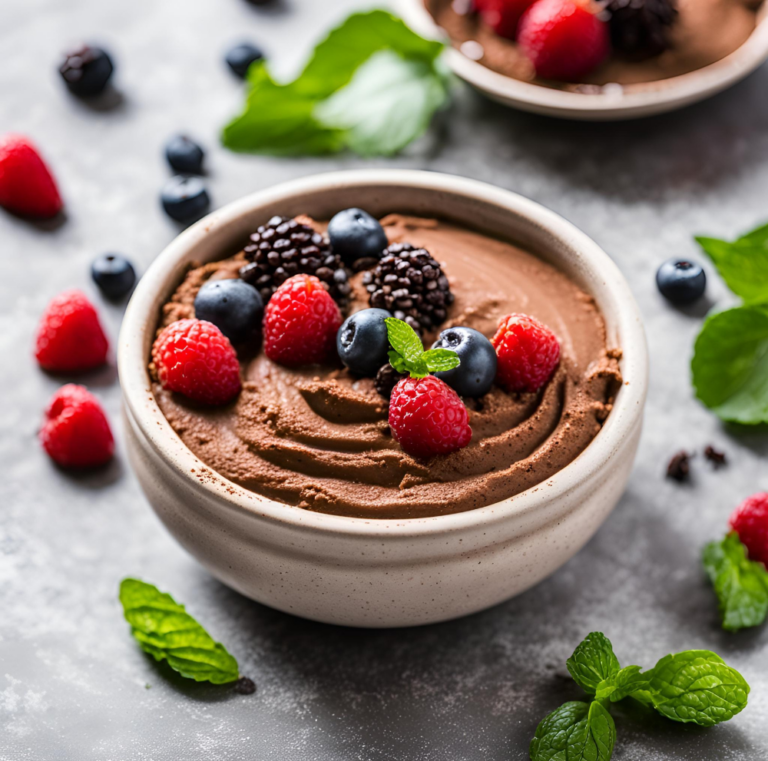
(27,186)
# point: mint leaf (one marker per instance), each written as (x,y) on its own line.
(408,355)
(404,339)
(166,631)
(741,585)
(622,684)
(575,732)
(347,96)
(730,364)
(592,662)
(440,360)
(697,686)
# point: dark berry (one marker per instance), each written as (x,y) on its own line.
(240,57)
(355,234)
(474,376)
(681,281)
(86,70)
(114,275)
(679,467)
(233,306)
(640,28)
(386,379)
(362,341)
(184,155)
(185,198)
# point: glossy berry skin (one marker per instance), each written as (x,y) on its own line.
(27,186)
(477,371)
(75,432)
(362,341)
(114,275)
(503,16)
(86,71)
(240,57)
(428,418)
(681,281)
(233,306)
(528,353)
(184,155)
(300,323)
(564,39)
(70,337)
(194,358)
(185,198)
(750,522)
(355,234)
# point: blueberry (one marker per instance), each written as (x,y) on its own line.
(185,198)
(474,376)
(184,155)
(86,70)
(681,281)
(240,57)
(114,275)
(362,341)
(233,306)
(355,234)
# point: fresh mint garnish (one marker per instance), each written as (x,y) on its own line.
(408,356)
(692,686)
(741,584)
(165,630)
(371,86)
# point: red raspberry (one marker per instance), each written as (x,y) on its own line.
(70,337)
(76,432)
(300,323)
(427,417)
(564,39)
(194,358)
(27,186)
(503,15)
(528,353)
(750,521)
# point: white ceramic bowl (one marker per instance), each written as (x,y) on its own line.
(381,573)
(629,102)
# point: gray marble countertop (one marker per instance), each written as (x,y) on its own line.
(73,684)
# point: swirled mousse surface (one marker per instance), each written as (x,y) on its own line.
(704,32)
(318,437)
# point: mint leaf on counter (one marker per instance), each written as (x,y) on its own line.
(577,732)
(623,684)
(408,355)
(592,662)
(741,584)
(166,631)
(371,86)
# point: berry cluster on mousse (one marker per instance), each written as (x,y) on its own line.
(292,294)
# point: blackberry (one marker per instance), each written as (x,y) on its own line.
(408,282)
(639,28)
(386,379)
(285,247)
(86,70)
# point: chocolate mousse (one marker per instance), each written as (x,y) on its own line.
(318,437)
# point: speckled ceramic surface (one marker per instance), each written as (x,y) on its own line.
(367,572)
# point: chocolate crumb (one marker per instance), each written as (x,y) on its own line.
(715,456)
(245,686)
(679,467)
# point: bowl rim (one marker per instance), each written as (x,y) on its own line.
(143,411)
(631,101)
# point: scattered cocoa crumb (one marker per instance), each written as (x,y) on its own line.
(715,456)
(245,686)
(679,467)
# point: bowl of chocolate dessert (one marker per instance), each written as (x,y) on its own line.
(382,398)
(596,59)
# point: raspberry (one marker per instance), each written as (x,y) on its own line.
(76,433)
(503,15)
(194,358)
(564,39)
(750,521)
(27,186)
(70,337)
(528,353)
(428,418)
(301,322)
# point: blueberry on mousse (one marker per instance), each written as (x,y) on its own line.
(356,235)
(233,306)
(86,70)
(240,57)
(681,281)
(474,376)
(185,198)
(184,155)
(114,275)
(362,341)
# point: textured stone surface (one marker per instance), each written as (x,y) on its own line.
(73,685)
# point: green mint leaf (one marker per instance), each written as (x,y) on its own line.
(592,662)
(575,732)
(743,264)
(730,364)
(621,685)
(407,355)
(697,686)
(166,631)
(440,360)
(343,98)
(741,585)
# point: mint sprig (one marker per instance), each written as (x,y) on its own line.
(371,86)
(408,356)
(693,686)
(165,630)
